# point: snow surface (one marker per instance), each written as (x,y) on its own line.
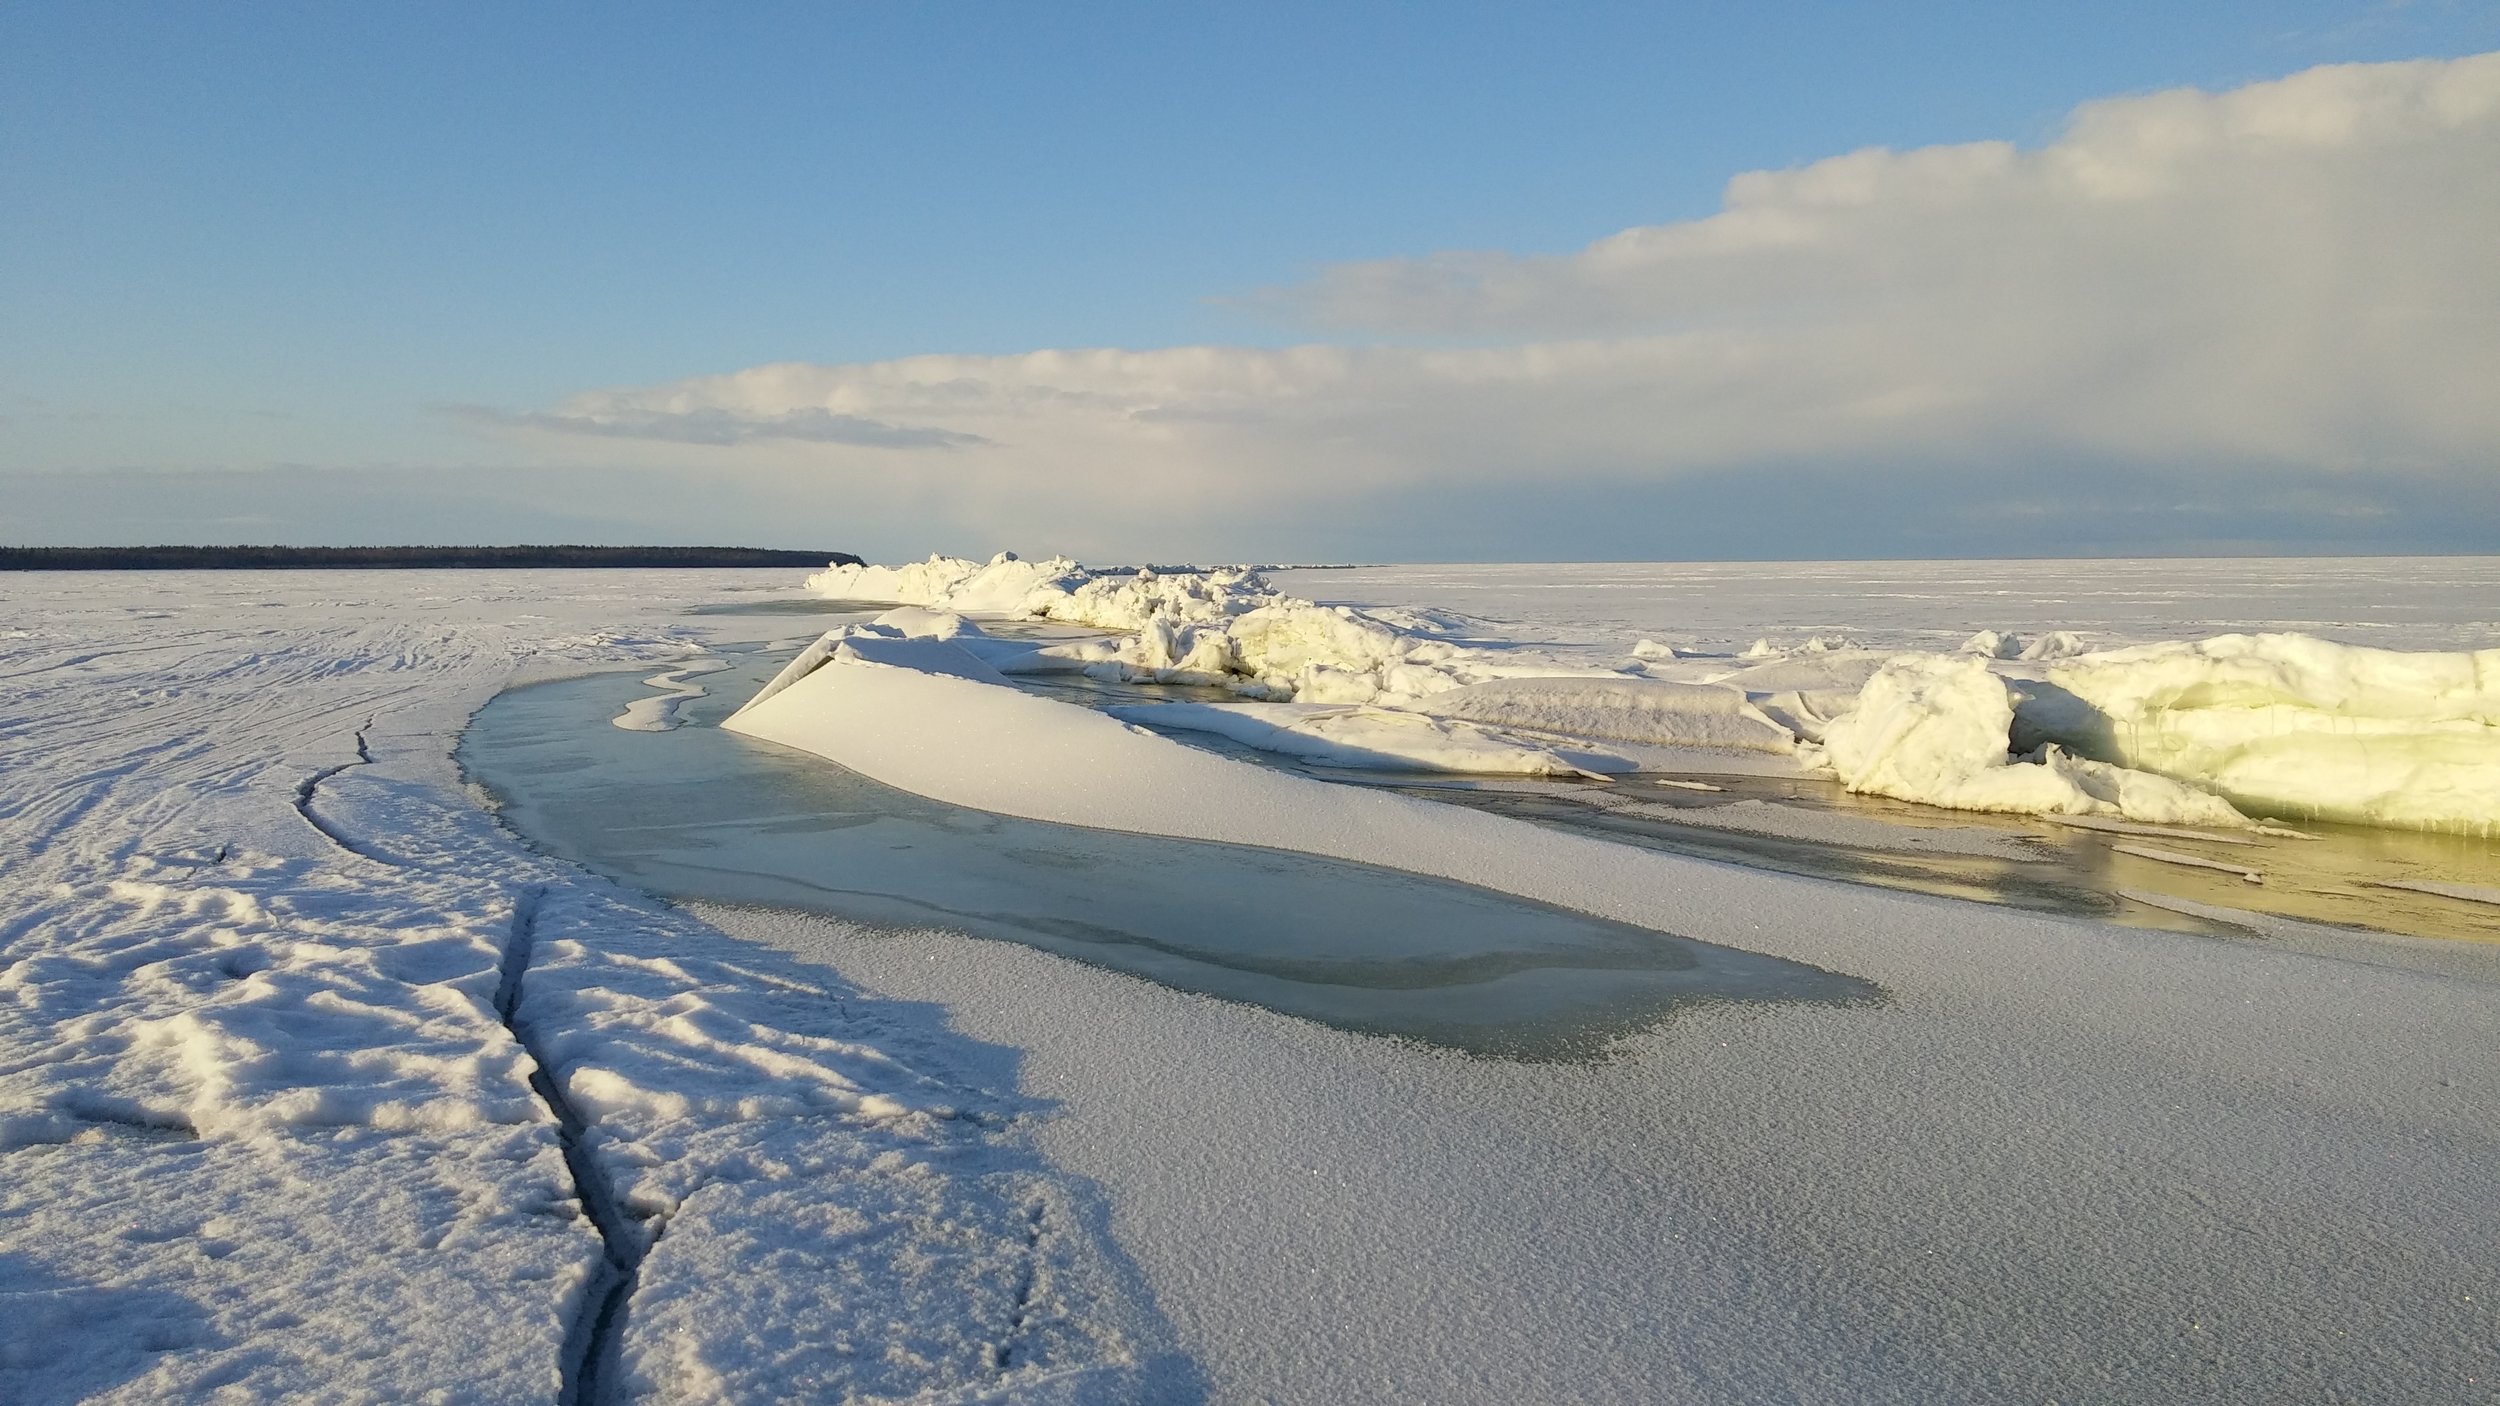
(317,1085)
(1717,608)
(1619,710)
(2061,1162)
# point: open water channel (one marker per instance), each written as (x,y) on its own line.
(699,813)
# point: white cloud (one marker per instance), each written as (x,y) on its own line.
(2299,273)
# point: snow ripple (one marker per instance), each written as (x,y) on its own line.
(290,1111)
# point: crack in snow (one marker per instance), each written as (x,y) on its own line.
(603,1348)
(311,785)
(591,1348)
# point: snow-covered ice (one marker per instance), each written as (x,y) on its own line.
(1619,710)
(315,1082)
(707,815)
(2062,1161)
(317,1085)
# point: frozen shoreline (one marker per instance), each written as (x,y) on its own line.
(2218,731)
(275,993)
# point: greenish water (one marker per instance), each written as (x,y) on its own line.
(701,814)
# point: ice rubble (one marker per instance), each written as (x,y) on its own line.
(1343,735)
(2200,733)
(1933,729)
(1654,711)
(2291,725)
(1226,627)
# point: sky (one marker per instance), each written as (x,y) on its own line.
(1276,282)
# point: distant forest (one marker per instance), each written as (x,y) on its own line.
(239,558)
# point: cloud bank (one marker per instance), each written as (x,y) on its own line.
(2296,277)
(710,424)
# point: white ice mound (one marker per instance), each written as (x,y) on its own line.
(1382,739)
(1933,729)
(1336,654)
(1226,627)
(880,644)
(1619,710)
(2289,725)
(1056,589)
(1016,753)
(919,622)
(997,587)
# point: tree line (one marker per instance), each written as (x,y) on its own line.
(170,558)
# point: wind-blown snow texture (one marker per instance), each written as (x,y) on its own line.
(307,1070)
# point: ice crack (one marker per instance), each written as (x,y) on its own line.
(590,1348)
(306,789)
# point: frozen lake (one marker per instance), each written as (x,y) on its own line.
(279,980)
(2387,602)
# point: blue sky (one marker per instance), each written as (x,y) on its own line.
(323,272)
